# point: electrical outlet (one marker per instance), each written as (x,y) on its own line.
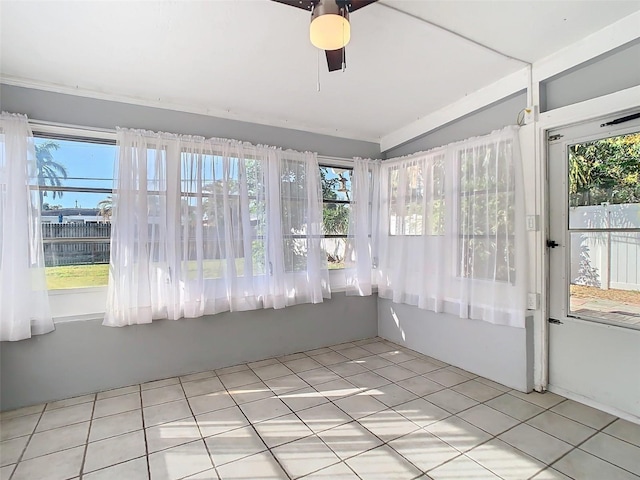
(533,301)
(533,222)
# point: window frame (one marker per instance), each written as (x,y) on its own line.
(86,303)
(335,163)
(80,136)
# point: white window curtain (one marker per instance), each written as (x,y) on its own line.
(362,247)
(451,230)
(24,301)
(202,226)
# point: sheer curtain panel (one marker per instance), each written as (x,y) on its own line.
(202,226)
(452,230)
(362,248)
(24,301)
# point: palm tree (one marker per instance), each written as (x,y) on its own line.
(106,208)
(49,171)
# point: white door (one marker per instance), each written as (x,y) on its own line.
(594,263)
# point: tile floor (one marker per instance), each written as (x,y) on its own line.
(363,410)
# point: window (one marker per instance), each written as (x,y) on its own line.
(222,200)
(486,217)
(416,205)
(336,199)
(76,181)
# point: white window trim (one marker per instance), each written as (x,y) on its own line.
(75,304)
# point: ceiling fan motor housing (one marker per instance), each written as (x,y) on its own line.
(324,25)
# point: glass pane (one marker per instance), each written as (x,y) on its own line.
(76,226)
(605,283)
(76,255)
(489,258)
(92,208)
(604,194)
(417,198)
(335,248)
(335,218)
(604,183)
(66,163)
(336,183)
(487,213)
(295,254)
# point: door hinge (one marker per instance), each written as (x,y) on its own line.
(554,321)
(553,138)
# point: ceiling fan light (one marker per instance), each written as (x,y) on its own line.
(329,29)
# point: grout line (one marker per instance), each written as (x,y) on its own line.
(206,446)
(359,390)
(193,416)
(86,444)
(144,432)
(33,432)
(598,431)
(251,424)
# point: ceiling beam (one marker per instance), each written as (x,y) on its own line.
(506,86)
(609,38)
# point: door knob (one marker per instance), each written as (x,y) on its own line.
(552,244)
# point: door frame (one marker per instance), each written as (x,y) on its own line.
(618,103)
(562,311)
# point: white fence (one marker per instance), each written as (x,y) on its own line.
(606,259)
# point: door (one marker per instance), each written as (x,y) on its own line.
(594,262)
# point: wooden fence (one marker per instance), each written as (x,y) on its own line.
(76,244)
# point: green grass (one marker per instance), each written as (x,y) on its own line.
(77,276)
(82,276)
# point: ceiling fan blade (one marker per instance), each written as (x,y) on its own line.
(354,5)
(303,4)
(334,59)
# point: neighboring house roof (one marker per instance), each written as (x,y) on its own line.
(66,212)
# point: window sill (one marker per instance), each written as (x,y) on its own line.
(80,304)
(75,304)
(73,291)
(78,318)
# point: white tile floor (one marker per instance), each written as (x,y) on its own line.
(363,410)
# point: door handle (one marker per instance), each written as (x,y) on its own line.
(552,244)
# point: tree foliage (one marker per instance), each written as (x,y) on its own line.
(106,208)
(606,170)
(335,216)
(50,172)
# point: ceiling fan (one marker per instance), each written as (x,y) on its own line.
(330,30)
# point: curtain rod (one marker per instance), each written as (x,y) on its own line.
(43,126)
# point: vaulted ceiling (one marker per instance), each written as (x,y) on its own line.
(252,59)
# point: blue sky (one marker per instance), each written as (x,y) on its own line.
(87,165)
(91,165)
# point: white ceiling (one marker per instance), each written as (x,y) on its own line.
(252,60)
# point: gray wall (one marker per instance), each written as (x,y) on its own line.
(84,357)
(503,354)
(608,73)
(492,117)
(90,112)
